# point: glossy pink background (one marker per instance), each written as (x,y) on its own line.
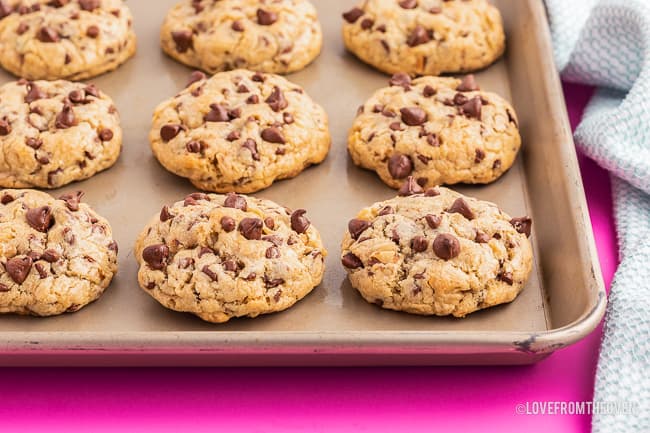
(469,399)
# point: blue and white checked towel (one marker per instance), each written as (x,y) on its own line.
(606,43)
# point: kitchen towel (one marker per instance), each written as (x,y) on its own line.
(606,43)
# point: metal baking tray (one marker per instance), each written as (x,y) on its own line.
(563,301)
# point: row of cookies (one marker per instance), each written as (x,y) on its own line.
(79,39)
(241,130)
(427,252)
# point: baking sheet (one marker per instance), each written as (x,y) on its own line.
(562,301)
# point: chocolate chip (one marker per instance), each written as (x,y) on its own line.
(497,164)
(408,4)
(511,117)
(413,116)
(460,99)
(352,15)
(351,261)
(40,218)
(522,225)
(89,5)
(34,94)
(72,200)
(433,220)
(357,226)
(43,159)
(183,40)
(435,10)
(227,224)
(399,166)
(192,199)
(217,113)
(193,146)
(51,256)
(276,100)
(156,256)
(34,143)
(479,155)
(506,277)
(419,244)
(258,77)
(230,265)
(210,273)
(266,18)
(253,99)
(3,287)
(252,147)
(299,222)
(237,26)
(92,32)
(66,118)
(106,134)
(409,187)
(234,135)
(47,35)
(42,272)
(6,198)
(386,210)
(271,283)
(468,84)
(288,118)
(472,108)
(5,127)
(5,9)
(165,215)
(400,79)
(460,206)
(91,90)
(446,246)
(428,91)
(395,126)
(194,77)
(22,28)
(169,131)
(273,135)
(481,238)
(418,36)
(251,228)
(367,23)
(113,246)
(235,201)
(77,96)
(18,268)
(272,253)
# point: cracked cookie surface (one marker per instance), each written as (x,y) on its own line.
(436,252)
(64,39)
(57,255)
(239,131)
(225,256)
(438,130)
(425,37)
(54,133)
(281,36)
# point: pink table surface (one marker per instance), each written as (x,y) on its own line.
(467,399)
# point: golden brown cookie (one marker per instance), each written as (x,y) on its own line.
(425,37)
(437,252)
(57,255)
(438,130)
(225,256)
(279,36)
(239,131)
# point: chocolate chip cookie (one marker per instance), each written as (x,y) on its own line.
(54,133)
(225,256)
(57,255)
(437,252)
(281,36)
(425,37)
(438,130)
(239,131)
(69,39)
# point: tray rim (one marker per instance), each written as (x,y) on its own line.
(368,343)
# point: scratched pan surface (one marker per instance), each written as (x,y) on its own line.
(562,302)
